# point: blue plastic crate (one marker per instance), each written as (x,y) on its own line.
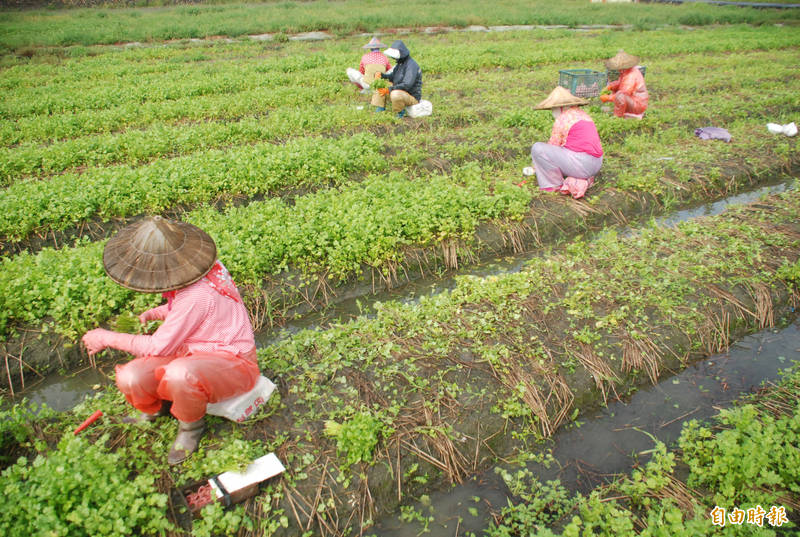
(582,82)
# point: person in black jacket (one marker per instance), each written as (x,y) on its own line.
(406,78)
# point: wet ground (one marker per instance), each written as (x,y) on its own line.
(607,442)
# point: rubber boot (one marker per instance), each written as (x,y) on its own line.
(143,417)
(189,435)
(401,113)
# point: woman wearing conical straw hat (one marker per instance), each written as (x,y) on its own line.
(204,352)
(373,61)
(572,156)
(629,93)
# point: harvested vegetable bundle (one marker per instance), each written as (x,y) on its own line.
(379,83)
(129,323)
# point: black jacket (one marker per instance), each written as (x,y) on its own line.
(407,75)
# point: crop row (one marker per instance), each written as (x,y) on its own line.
(159,138)
(164,139)
(474,143)
(192,81)
(69,125)
(333,231)
(121,191)
(746,457)
(445,55)
(514,352)
(747,72)
(337,229)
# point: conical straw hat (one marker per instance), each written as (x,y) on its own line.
(155,255)
(374,43)
(560,97)
(621,61)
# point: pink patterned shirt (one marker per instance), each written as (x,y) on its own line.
(575,130)
(374,57)
(199,318)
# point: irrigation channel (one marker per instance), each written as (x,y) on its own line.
(589,452)
(63,391)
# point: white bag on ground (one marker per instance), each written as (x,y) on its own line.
(356,78)
(790,129)
(422,108)
(243,406)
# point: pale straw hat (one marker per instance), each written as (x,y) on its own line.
(374,43)
(560,97)
(155,255)
(621,61)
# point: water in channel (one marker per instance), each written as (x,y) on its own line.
(606,441)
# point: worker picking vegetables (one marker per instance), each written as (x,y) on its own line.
(203,352)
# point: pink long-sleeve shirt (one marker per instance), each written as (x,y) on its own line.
(199,319)
(376,58)
(575,130)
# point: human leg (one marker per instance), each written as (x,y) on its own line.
(193,381)
(400,99)
(137,382)
(552,163)
(625,104)
(187,440)
(378,100)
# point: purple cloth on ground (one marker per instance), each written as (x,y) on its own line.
(713,133)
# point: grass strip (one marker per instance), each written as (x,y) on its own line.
(90,26)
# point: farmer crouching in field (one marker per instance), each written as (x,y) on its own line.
(372,62)
(204,351)
(572,157)
(629,93)
(406,78)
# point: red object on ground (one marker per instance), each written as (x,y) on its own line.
(91,419)
(201,498)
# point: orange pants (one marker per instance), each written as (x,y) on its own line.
(189,381)
(625,104)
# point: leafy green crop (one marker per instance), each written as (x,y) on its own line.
(357,437)
(79,489)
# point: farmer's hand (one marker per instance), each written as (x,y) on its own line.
(153,314)
(383,91)
(377,75)
(607,98)
(95,340)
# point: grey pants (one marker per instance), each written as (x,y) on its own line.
(552,163)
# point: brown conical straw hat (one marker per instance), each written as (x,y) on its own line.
(155,255)
(621,61)
(560,97)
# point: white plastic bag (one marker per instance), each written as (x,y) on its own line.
(790,129)
(243,406)
(422,108)
(356,78)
